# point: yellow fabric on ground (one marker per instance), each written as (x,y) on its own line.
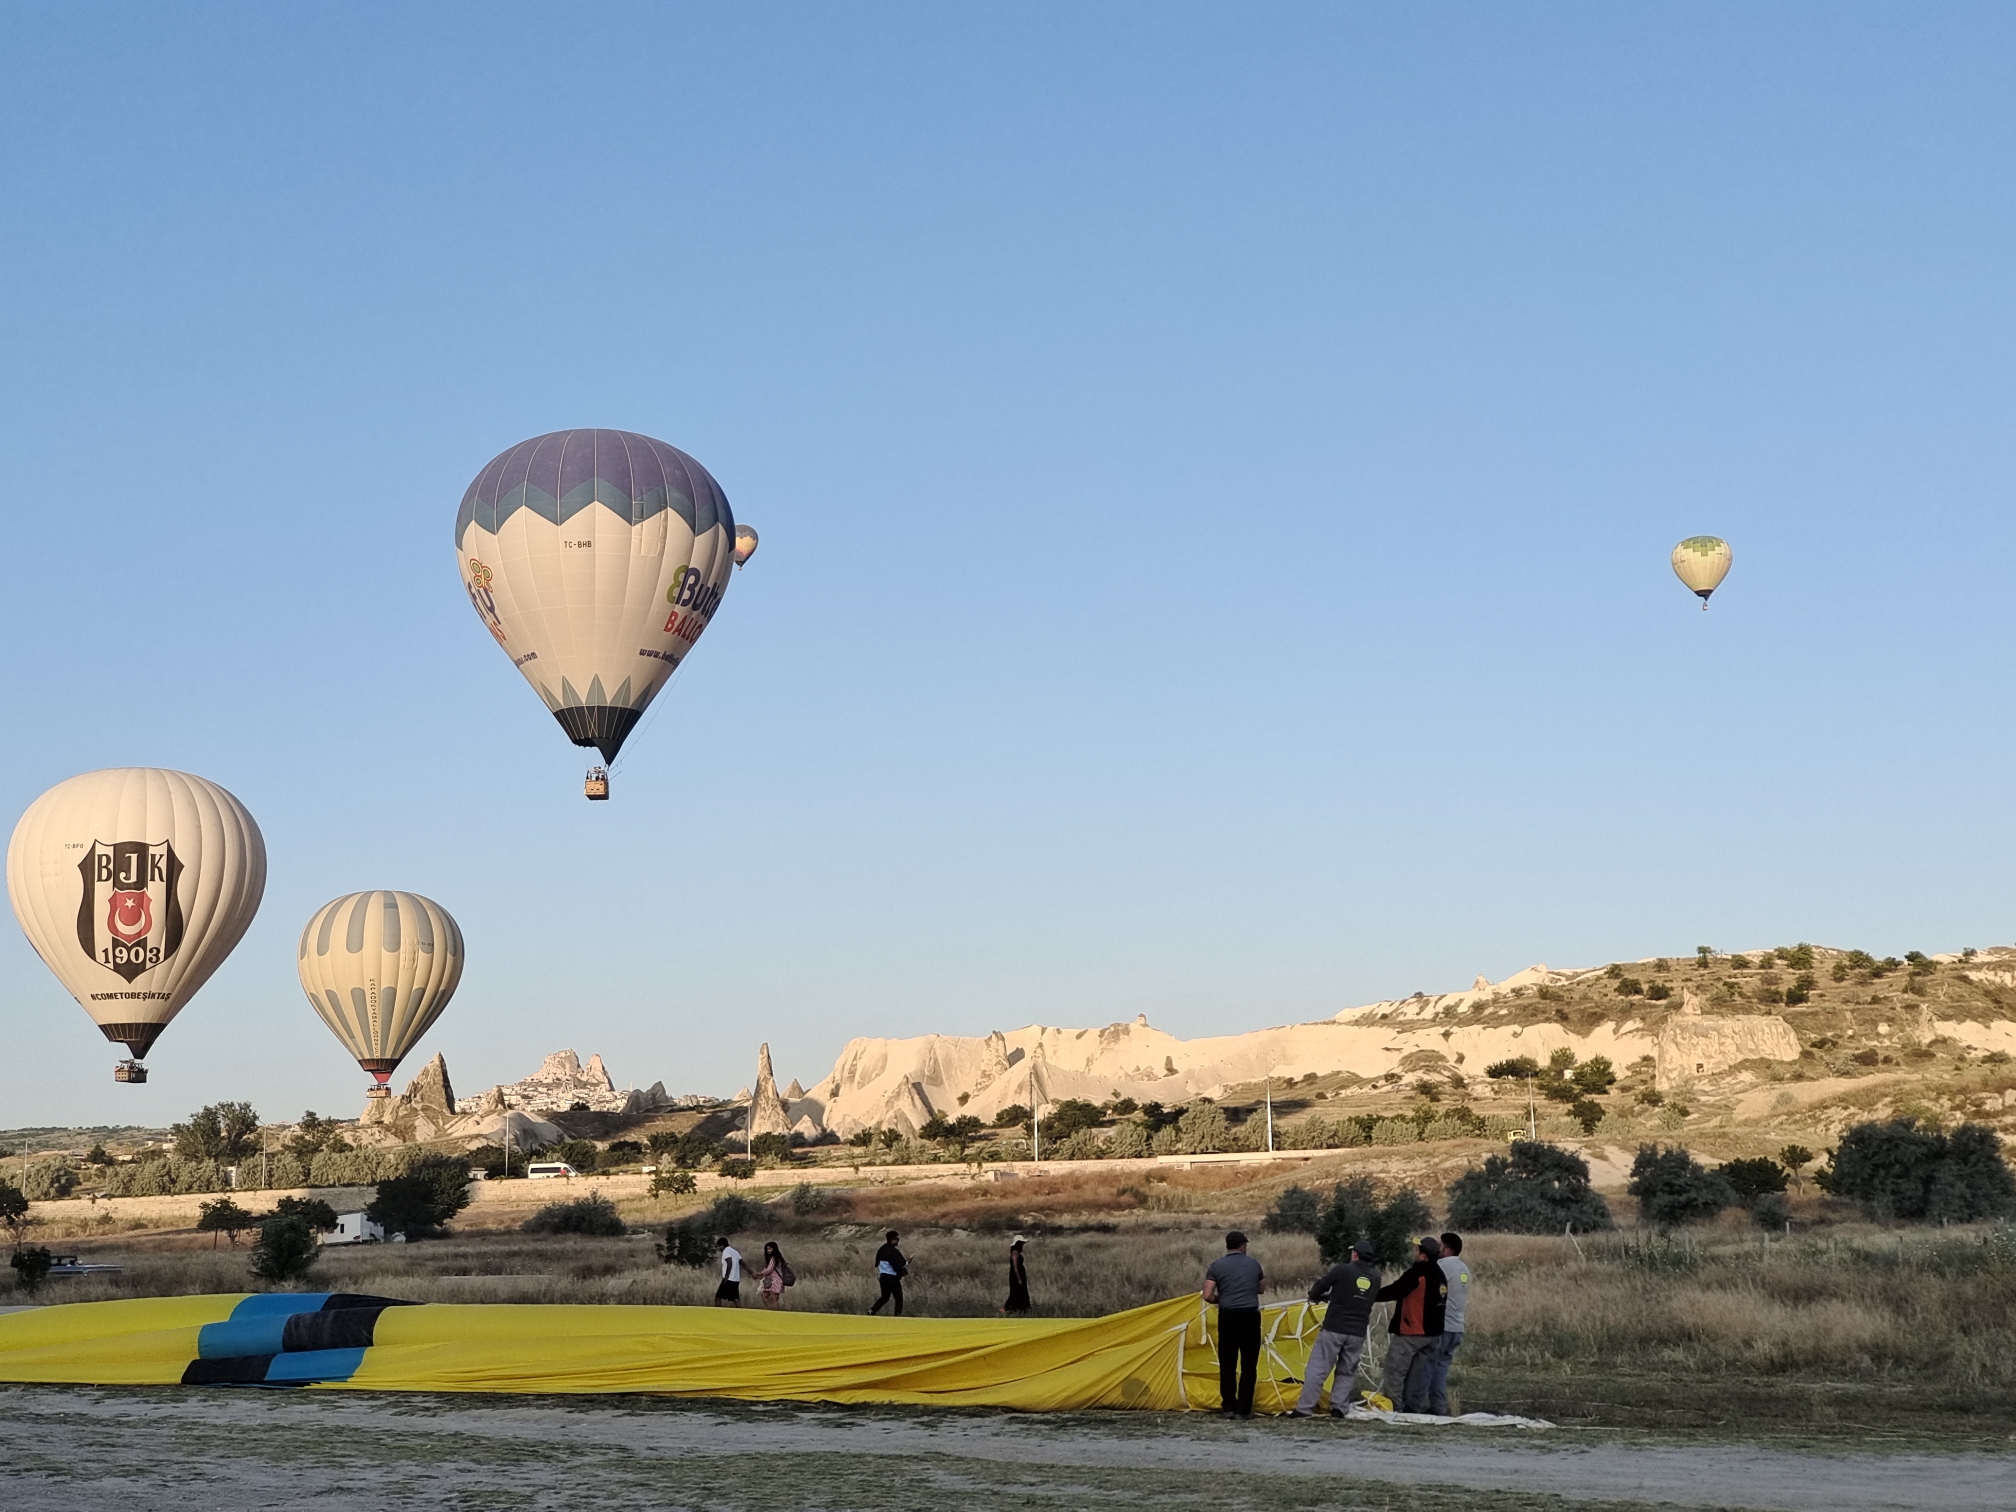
(148,1341)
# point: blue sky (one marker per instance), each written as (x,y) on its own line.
(1216,469)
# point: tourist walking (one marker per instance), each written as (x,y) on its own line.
(1018,1280)
(1456,1274)
(890,1269)
(1234,1283)
(729,1292)
(774,1277)
(1416,1327)
(1352,1286)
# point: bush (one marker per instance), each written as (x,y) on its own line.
(223,1217)
(729,1214)
(578,1153)
(1519,1068)
(594,1214)
(1068,1117)
(1899,1170)
(807,1199)
(1202,1130)
(13,1211)
(313,1211)
(1129,1141)
(1014,1116)
(1752,1179)
(770,1147)
(678,1183)
(420,1203)
(737,1169)
(47,1180)
(1296,1211)
(1082,1144)
(287,1250)
(686,1243)
(1587,1112)
(1356,1211)
(1630,986)
(1536,1188)
(31,1268)
(1672,1187)
(1771,1210)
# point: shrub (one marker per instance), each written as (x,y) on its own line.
(47,1180)
(1899,1170)
(1395,1131)
(1771,1210)
(1296,1211)
(1587,1112)
(625,1151)
(313,1211)
(1536,1188)
(223,1217)
(578,1153)
(593,1214)
(1202,1130)
(1356,1211)
(1630,986)
(1014,1116)
(1595,1076)
(1659,992)
(736,1169)
(807,1199)
(1129,1141)
(1798,957)
(1068,1117)
(686,1244)
(770,1147)
(287,1250)
(31,1268)
(729,1214)
(420,1203)
(1084,1144)
(670,1179)
(1672,1187)
(1752,1179)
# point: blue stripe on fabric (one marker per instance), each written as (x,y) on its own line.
(308,1365)
(255,1325)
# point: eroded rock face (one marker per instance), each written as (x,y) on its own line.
(561,1082)
(1693,1045)
(766,1109)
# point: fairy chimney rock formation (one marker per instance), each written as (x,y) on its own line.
(766,1109)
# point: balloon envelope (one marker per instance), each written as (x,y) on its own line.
(133,885)
(596,558)
(746,541)
(1701,562)
(378,968)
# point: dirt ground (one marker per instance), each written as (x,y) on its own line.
(84,1449)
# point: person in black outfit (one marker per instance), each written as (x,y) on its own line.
(1235,1282)
(890,1269)
(1018,1280)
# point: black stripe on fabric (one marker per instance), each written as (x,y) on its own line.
(234,1370)
(338,1301)
(338,1328)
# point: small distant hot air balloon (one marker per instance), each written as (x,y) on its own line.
(378,968)
(596,558)
(1701,562)
(746,542)
(133,884)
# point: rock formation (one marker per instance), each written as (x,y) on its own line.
(766,1109)
(562,1083)
(1692,1045)
(426,1113)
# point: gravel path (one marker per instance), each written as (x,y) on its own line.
(66,1449)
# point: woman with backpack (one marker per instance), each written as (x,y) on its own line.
(774,1277)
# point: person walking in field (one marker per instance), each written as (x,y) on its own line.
(1018,1280)
(1234,1283)
(1352,1285)
(1456,1275)
(729,1292)
(1416,1327)
(773,1278)
(890,1269)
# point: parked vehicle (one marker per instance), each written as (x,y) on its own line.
(355,1228)
(544,1169)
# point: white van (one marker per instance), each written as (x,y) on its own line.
(543,1168)
(355,1228)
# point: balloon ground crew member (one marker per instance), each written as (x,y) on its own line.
(1352,1285)
(1234,1282)
(1456,1271)
(1419,1296)
(890,1269)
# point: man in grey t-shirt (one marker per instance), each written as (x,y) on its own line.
(1457,1270)
(1234,1282)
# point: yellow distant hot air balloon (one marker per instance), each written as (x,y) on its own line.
(1701,562)
(745,543)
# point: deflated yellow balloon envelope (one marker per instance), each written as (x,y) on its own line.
(1701,562)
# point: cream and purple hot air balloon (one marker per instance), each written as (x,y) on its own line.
(379,968)
(133,884)
(596,559)
(1701,562)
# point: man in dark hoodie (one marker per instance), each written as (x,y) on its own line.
(1351,1285)
(1418,1299)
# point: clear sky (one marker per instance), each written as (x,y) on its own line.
(1216,469)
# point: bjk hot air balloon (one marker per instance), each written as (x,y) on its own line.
(596,558)
(133,885)
(378,968)
(1701,562)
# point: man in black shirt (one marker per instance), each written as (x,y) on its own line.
(890,1269)
(1351,1285)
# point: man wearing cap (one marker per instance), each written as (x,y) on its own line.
(1351,1285)
(1234,1282)
(1419,1297)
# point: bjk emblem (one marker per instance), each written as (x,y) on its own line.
(130,919)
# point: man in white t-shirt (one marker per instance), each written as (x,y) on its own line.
(1456,1271)
(729,1292)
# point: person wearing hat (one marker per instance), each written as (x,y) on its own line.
(1351,1285)
(1018,1280)
(1415,1332)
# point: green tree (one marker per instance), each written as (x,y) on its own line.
(1014,1116)
(1673,1188)
(593,1215)
(13,1212)
(420,1203)
(686,1244)
(674,1181)
(313,1211)
(1595,1076)
(1358,1211)
(1203,1130)
(1899,1170)
(224,1132)
(737,1169)
(1795,1157)
(1587,1112)
(313,1135)
(31,1267)
(1296,1211)
(1519,1068)
(1069,1117)
(771,1147)
(578,1153)
(286,1252)
(1536,1188)
(1751,1179)
(223,1216)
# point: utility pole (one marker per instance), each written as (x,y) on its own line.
(1036,1117)
(1270,1115)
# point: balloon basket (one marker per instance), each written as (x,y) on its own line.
(597,785)
(130,1071)
(377,1089)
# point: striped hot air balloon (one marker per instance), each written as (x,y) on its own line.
(378,968)
(1701,562)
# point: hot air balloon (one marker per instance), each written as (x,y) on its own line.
(378,968)
(133,885)
(1701,563)
(596,558)
(746,542)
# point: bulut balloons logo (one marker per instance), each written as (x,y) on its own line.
(130,919)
